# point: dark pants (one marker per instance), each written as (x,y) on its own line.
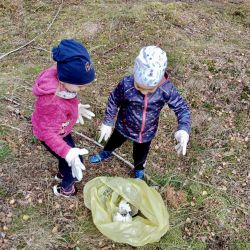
(64,169)
(140,150)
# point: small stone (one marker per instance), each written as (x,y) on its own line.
(188,220)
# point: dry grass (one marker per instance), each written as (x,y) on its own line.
(207,191)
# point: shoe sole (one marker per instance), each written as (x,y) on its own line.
(58,194)
(57,179)
(61,195)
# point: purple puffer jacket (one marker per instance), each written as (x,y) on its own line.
(138,114)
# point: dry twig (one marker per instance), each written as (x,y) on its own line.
(118,156)
(9,126)
(31,41)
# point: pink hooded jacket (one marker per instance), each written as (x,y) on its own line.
(53,116)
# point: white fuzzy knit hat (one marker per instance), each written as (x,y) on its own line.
(150,66)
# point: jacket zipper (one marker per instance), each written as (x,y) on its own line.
(143,117)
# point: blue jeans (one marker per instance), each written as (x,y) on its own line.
(64,169)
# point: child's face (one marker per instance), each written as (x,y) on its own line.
(73,87)
(144,90)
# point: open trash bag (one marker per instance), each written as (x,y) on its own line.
(102,196)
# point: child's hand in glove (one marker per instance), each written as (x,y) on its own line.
(105,132)
(77,168)
(84,112)
(182,137)
(74,161)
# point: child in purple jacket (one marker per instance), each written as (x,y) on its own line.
(138,100)
(57,109)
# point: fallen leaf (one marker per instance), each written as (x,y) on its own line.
(204,193)
(55,230)
(192,203)
(25,217)
(175,198)
(12,201)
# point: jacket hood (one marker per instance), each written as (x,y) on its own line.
(46,83)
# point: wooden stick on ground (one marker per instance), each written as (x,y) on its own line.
(31,41)
(118,156)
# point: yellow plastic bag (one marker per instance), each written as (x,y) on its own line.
(102,195)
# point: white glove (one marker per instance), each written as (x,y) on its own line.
(124,207)
(122,218)
(77,168)
(182,137)
(84,112)
(74,161)
(105,132)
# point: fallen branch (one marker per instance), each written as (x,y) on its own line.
(11,100)
(96,47)
(205,184)
(31,41)
(118,156)
(42,49)
(9,126)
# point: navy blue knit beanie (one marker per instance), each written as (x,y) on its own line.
(74,64)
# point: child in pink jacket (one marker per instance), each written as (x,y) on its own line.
(57,109)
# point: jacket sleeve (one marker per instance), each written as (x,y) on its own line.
(115,100)
(50,121)
(178,104)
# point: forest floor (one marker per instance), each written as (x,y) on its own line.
(207,192)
